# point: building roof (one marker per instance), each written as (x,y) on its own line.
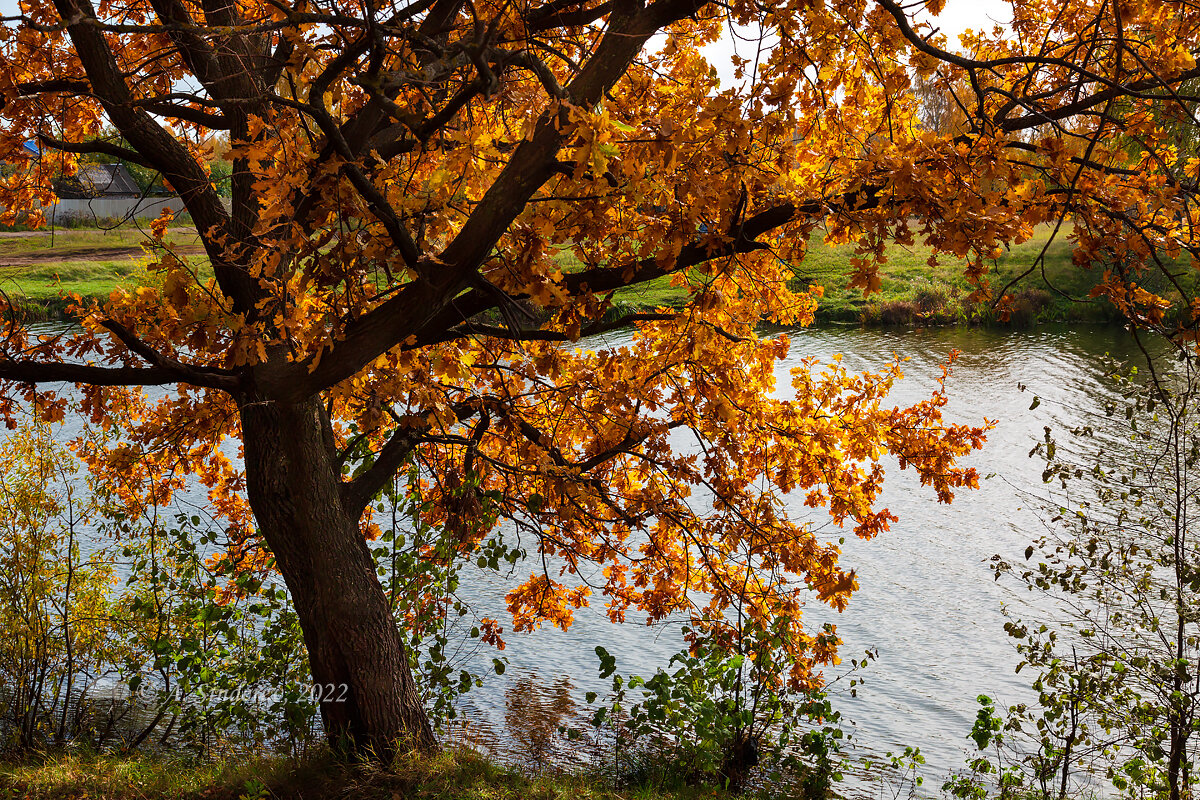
(98,180)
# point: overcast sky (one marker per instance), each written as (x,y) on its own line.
(958,16)
(961,15)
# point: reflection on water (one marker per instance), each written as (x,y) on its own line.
(545,728)
(535,713)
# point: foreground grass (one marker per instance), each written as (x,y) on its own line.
(458,775)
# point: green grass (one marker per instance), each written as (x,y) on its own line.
(652,294)
(1057,292)
(73,775)
(912,291)
(43,243)
(454,775)
(85,277)
(82,262)
(41,290)
(89,263)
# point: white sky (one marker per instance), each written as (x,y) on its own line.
(961,15)
(957,16)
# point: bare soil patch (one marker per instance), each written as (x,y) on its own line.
(61,255)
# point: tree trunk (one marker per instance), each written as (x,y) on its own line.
(369,701)
(1176,757)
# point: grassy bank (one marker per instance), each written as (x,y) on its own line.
(36,268)
(913,292)
(93,222)
(461,775)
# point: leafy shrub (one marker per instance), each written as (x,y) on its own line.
(1116,674)
(933,297)
(215,656)
(890,312)
(723,716)
(1026,306)
(194,645)
(56,637)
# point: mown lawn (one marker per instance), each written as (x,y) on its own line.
(88,278)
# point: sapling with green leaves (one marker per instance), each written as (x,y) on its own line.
(1116,671)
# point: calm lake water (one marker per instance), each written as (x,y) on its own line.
(928,604)
(928,601)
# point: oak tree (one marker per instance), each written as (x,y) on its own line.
(434,203)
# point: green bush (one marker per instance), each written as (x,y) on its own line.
(723,716)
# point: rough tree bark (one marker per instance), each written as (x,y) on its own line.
(352,639)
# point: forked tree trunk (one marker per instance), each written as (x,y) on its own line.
(369,700)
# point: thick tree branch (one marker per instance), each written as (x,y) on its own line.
(196,116)
(357,493)
(186,373)
(560,15)
(1137,89)
(419,295)
(376,201)
(368,120)
(69,86)
(471,329)
(187,36)
(99,146)
(156,145)
(533,162)
(23,371)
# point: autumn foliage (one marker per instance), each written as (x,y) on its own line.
(433,206)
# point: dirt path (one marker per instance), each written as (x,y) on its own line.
(63,255)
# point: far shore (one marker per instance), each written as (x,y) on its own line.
(39,269)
